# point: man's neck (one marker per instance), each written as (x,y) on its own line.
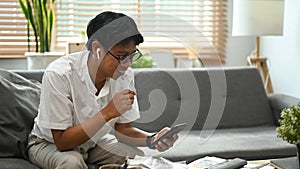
(97,77)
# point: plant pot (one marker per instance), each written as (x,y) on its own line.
(41,60)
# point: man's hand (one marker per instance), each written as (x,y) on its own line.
(121,102)
(166,143)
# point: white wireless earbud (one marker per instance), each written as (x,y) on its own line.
(98,51)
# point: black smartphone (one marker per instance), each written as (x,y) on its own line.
(174,130)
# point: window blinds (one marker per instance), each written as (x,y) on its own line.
(13,37)
(188,28)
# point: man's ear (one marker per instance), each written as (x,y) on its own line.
(97,49)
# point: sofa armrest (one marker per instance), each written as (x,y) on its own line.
(280,101)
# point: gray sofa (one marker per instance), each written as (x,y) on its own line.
(227,111)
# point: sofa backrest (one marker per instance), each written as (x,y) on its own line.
(31,74)
(203,98)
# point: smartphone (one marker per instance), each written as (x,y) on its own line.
(174,130)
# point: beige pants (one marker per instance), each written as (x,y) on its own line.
(45,154)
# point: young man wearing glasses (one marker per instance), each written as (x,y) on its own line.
(87,95)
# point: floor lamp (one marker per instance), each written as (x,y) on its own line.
(258,18)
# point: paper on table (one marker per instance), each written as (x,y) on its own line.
(205,162)
(155,163)
(256,166)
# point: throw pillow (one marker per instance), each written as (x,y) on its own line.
(19,100)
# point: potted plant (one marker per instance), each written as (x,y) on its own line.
(41,18)
(289,129)
(144,62)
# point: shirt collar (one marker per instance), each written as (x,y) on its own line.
(105,89)
(81,65)
(83,72)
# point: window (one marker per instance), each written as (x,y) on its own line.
(185,27)
(13,37)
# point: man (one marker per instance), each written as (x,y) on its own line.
(87,94)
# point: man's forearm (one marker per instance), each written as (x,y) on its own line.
(131,136)
(79,134)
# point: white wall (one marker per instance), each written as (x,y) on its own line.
(284,52)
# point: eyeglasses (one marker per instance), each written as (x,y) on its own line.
(131,57)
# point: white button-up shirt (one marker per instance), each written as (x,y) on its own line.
(68,98)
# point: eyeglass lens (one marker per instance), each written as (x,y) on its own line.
(133,57)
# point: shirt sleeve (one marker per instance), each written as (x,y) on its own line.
(133,114)
(56,106)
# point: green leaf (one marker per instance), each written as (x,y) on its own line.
(24,9)
(33,22)
(41,17)
(50,26)
(28,36)
(289,129)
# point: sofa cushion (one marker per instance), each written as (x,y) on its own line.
(18,107)
(247,103)
(248,143)
(15,163)
(204,98)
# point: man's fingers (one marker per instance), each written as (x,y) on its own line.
(175,137)
(168,142)
(163,131)
(132,100)
(129,101)
(123,100)
(131,96)
(163,146)
(128,94)
(127,91)
(132,92)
